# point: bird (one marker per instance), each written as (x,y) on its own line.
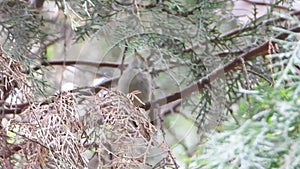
(136,79)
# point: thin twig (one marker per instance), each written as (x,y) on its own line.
(217,73)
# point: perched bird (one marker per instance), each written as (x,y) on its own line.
(137,78)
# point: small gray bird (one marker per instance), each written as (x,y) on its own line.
(137,78)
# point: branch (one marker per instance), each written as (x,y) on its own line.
(238,31)
(251,27)
(199,86)
(268,4)
(217,73)
(74,62)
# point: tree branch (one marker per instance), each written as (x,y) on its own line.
(75,62)
(267,4)
(199,86)
(251,27)
(217,73)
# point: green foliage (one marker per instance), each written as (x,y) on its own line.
(268,139)
(269,121)
(186,40)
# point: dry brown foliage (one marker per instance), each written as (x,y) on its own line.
(73,130)
(13,80)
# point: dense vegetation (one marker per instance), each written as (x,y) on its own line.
(225,84)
